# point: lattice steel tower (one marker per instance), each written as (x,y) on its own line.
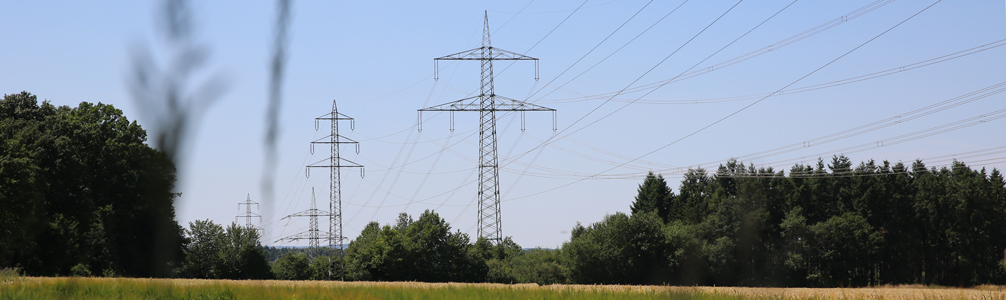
(335,163)
(313,235)
(487,103)
(249,215)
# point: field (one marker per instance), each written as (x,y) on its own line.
(130,288)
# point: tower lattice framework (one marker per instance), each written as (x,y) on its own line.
(487,103)
(249,215)
(313,234)
(335,163)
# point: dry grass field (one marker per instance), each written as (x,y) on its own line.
(132,288)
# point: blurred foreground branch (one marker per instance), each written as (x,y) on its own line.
(276,66)
(169,94)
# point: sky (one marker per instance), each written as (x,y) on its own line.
(637,85)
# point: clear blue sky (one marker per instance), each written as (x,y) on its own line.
(375,58)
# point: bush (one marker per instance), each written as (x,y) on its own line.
(541,266)
(9,274)
(326,267)
(619,250)
(80,270)
(292,266)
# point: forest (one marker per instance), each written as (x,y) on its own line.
(82,194)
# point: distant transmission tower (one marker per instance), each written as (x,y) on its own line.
(249,215)
(335,163)
(487,103)
(313,234)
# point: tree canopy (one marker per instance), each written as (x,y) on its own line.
(423,250)
(826,225)
(653,195)
(214,252)
(834,225)
(82,191)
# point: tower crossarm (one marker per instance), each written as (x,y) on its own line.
(337,139)
(350,164)
(487,103)
(328,140)
(501,104)
(301,236)
(486,53)
(308,213)
(249,215)
(336,162)
(334,116)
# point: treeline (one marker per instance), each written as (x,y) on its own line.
(843,225)
(214,252)
(826,226)
(81,193)
(425,249)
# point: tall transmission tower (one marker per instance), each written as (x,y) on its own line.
(313,235)
(335,163)
(249,215)
(487,103)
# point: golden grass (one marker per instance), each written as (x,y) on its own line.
(887,292)
(134,288)
(884,292)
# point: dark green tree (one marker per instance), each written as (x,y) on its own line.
(653,195)
(691,203)
(366,254)
(620,250)
(541,266)
(292,266)
(242,255)
(795,247)
(421,250)
(326,267)
(438,254)
(843,249)
(83,190)
(214,252)
(493,263)
(820,225)
(204,240)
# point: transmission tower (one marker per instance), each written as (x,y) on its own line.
(249,215)
(335,163)
(487,103)
(313,234)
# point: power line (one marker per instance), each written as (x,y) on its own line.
(249,215)
(613,52)
(313,235)
(890,71)
(891,121)
(683,72)
(487,103)
(599,45)
(556,11)
(750,55)
(543,38)
(514,16)
(550,139)
(745,107)
(335,165)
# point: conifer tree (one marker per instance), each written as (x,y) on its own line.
(653,195)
